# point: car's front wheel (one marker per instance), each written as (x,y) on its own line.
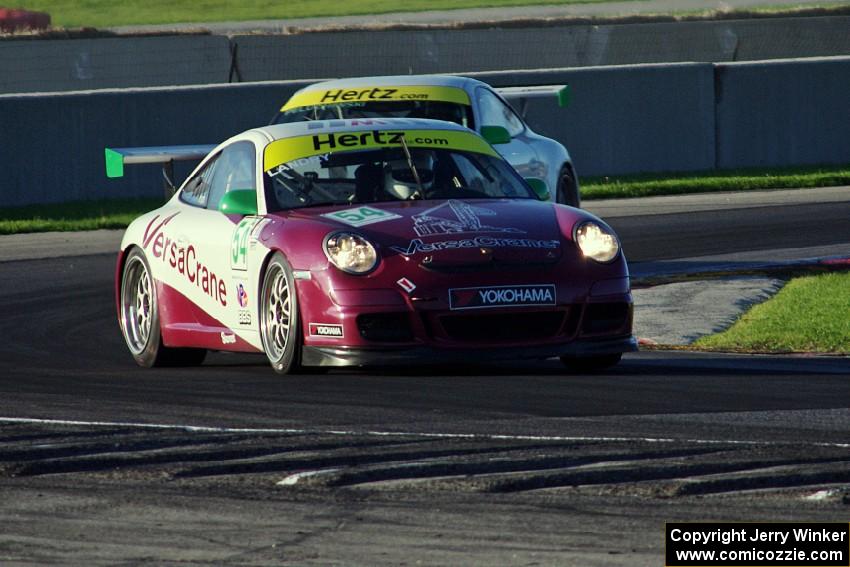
(590,364)
(139,318)
(280,327)
(567,191)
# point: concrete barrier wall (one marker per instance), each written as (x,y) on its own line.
(783,113)
(353,54)
(628,119)
(56,65)
(51,146)
(645,118)
(77,64)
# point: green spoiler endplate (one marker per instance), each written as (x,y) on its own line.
(116,158)
(561,92)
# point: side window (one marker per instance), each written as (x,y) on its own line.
(196,191)
(480,175)
(494,112)
(235,169)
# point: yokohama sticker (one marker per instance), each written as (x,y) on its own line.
(326,330)
(501,296)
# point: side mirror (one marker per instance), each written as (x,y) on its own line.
(495,134)
(239,202)
(539,187)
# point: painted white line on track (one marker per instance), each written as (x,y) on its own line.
(294,479)
(821,495)
(372,433)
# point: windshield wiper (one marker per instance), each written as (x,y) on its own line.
(412,167)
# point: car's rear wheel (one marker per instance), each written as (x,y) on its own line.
(567,190)
(280,327)
(139,318)
(590,364)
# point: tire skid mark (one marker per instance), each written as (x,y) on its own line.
(348,459)
(645,473)
(7,436)
(177,458)
(839,475)
(285,460)
(440,468)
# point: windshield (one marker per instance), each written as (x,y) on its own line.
(391,174)
(436,110)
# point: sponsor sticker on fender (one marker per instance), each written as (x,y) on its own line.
(243,312)
(326,330)
(501,296)
(184,259)
(239,243)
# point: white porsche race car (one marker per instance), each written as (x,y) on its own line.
(461,100)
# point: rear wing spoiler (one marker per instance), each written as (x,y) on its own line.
(523,94)
(117,158)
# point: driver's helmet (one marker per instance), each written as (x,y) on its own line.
(399,181)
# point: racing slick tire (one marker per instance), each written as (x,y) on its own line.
(139,318)
(567,190)
(280,325)
(590,364)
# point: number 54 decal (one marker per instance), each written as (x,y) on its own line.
(360,216)
(239,243)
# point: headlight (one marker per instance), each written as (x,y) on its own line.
(351,252)
(597,242)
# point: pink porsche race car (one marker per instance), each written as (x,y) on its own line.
(367,242)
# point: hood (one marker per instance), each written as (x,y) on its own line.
(454,233)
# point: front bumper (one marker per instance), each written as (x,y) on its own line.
(392,356)
(586,311)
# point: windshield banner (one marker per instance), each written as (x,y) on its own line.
(286,150)
(376,94)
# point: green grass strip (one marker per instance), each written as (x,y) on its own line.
(108,13)
(809,314)
(78,215)
(617,187)
(90,215)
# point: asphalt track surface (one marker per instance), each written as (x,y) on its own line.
(715,232)
(507,465)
